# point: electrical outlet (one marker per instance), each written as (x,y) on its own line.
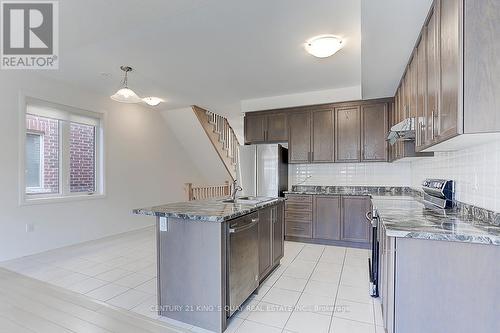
(30,227)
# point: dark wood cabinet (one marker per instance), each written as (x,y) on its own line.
(298,216)
(322,136)
(255,129)
(421,116)
(341,132)
(347,134)
(355,227)
(277,128)
(266,128)
(432,77)
(449,35)
(327,217)
(278,232)
(265,240)
(374,122)
(299,137)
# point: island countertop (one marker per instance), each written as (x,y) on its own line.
(213,210)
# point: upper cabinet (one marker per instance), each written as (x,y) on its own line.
(451,83)
(322,136)
(347,134)
(266,128)
(310,136)
(374,123)
(341,132)
(299,137)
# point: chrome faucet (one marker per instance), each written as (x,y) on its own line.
(236,188)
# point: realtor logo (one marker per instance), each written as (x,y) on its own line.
(29,35)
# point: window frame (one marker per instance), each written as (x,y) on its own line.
(64,193)
(41,170)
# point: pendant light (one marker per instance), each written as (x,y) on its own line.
(125,94)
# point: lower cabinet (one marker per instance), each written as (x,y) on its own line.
(432,285)
(271,238)
(278,232)
(265,239)
(328,219)
(355,227)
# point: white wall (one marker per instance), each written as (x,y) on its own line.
(194,141)
(368,174)
(476,171)
(145,165)
(300,99)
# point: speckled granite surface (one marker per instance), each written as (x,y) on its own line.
(350,190)
(408,216)
(205,210)
(404,214)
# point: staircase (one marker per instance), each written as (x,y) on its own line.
(222,137)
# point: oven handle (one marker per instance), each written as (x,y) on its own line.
(368,216)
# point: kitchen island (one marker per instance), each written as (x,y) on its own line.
(212,255)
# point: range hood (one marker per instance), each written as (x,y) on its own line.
(403,131)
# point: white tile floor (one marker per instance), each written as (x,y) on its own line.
(316,289)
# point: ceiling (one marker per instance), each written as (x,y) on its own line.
(217,53)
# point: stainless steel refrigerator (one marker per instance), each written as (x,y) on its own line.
(263,170)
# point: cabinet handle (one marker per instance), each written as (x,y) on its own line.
(312,156)
(297,228)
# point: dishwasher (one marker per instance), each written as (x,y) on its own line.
(243,259)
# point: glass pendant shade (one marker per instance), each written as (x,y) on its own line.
(126,95)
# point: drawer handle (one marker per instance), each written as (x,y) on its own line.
(297,228)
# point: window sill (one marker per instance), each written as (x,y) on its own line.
(51,200)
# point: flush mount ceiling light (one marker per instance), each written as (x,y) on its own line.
(125,94)
(323,46)
(153,101)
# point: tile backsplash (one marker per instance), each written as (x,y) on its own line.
(476,171)
(381,174)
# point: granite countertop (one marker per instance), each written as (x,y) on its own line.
(409,217)
(213,210)
(404,214)
(349,190)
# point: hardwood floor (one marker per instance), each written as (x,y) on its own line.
(29,305)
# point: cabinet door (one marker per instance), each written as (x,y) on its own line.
(421,118)
(412,86)
(299,137)
(277,128)
(347,134)
(265,240)
(355,227)
(322,136)
(278,232)
(255,128)
(449,33)
(327,217)
(432,78)
(374,121)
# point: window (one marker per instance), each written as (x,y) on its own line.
(63,148)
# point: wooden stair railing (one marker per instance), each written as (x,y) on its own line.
(207,192)
(221,136)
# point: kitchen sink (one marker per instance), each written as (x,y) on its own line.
(249,200)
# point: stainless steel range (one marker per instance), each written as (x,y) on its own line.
(439,192)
